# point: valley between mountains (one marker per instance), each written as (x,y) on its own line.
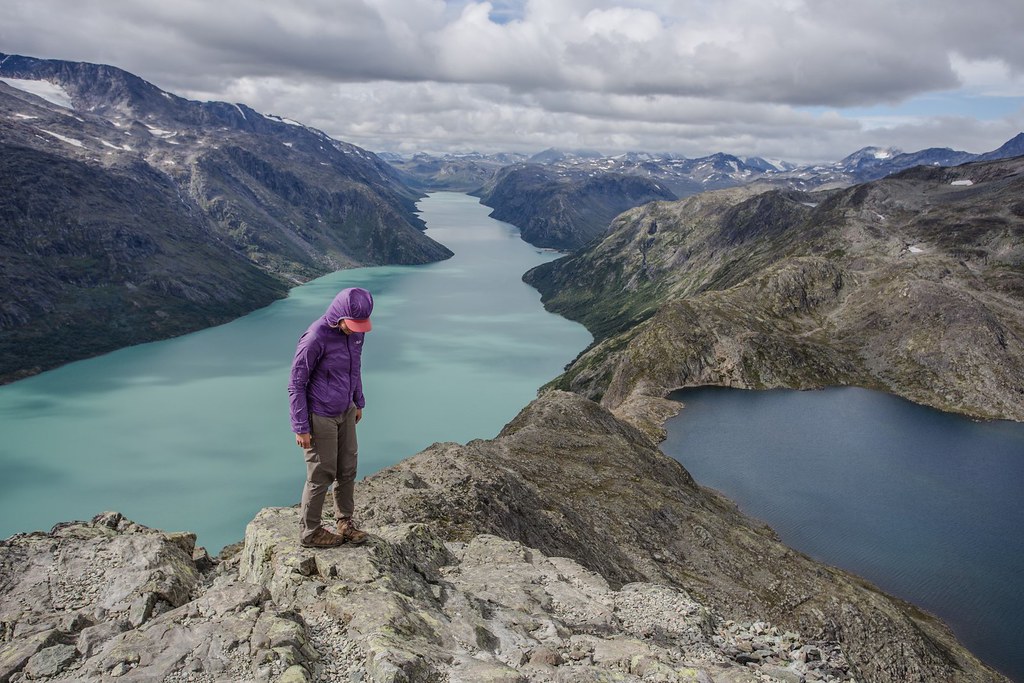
(568,547)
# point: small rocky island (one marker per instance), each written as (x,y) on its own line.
(568,548)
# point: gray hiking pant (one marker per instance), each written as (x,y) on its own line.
(330,459)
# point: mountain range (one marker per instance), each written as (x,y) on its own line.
(684,176)
(450,172)
(131,214)
(565,199)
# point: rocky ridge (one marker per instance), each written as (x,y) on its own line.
(913,284)
(566,549)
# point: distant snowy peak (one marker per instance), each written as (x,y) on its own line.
(686,176)
(636,157)
(870,154)
(391,157)
(552,155)
(500,158)
(769,165)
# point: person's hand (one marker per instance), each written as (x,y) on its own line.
(304,440)
(359,415)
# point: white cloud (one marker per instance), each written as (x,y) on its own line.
(657,74)
(988,77)
(633,25)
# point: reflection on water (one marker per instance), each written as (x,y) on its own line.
(193,433)
(927,505)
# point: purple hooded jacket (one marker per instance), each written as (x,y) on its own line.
(326,375)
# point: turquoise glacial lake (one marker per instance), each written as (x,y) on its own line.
(193,433)
(926,505)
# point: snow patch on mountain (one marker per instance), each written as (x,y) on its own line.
(126,148)
(160,132)
(62,138)
(290,122)
(51,92)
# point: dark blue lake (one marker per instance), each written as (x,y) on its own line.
(928,506)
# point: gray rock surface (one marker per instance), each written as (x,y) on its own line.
(567,549)
(50,661)
(407,606)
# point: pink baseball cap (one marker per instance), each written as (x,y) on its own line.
(356,325)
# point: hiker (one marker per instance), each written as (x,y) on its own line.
(326,393)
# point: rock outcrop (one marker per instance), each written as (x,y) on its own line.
(566,549)
(112,600)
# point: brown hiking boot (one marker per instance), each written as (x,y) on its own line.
(348,531)
(322,538)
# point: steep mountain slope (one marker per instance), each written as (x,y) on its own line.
(91,261)
(553,197)
(913,284)
(167,215)
(564,210)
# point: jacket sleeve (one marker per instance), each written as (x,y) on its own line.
(307,356)
(357,380)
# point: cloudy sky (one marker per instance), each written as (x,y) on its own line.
(802,80)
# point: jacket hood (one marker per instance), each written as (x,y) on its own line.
(354,303)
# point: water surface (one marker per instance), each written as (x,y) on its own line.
(193,433)
(927,505)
